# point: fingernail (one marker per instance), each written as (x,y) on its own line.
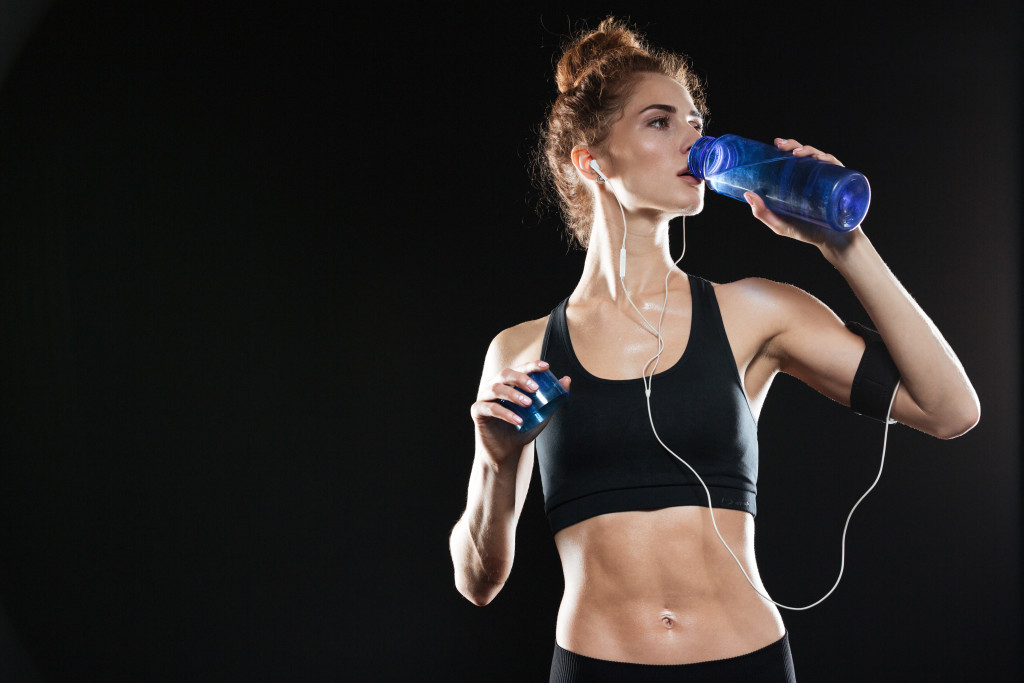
(517,419)
(780,141)
(542,363)
(532,385)
(797,149)
(525,400)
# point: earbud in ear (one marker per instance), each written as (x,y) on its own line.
(596,168)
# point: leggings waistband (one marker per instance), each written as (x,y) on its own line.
(770,664)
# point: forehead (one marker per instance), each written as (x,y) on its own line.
(659,89)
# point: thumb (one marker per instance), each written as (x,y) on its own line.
(757,206)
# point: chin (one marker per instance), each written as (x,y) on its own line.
(693,209)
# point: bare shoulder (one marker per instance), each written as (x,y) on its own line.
(758,291)
(515,346)
(774,303)
(768,322)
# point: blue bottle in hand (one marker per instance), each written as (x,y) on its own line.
(546,400)
(802,187)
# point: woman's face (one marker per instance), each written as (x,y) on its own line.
(647,148)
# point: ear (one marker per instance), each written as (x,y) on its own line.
(581,158)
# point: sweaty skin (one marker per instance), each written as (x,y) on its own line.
(658,586)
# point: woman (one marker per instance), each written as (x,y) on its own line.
(651,591)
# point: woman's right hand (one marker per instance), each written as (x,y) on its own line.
(495,424)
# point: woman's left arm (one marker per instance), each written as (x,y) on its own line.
(935,394)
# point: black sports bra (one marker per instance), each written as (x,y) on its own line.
(598,453)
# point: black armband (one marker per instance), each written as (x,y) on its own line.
(876,377)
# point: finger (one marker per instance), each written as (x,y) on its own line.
(486,409)
(565,381)
(534,366)
(806,151)
(788,145)
(757,205)
(500,390)
(506,384)
(827,158)
(517,378)
(763,213)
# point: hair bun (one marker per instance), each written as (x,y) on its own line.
(611,39)
(596,74)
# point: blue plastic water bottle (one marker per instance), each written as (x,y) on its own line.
(546,401)
(815,191)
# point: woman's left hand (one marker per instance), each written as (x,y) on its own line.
(786,226)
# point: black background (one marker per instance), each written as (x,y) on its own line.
(251,259)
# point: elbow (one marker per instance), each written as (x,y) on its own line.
(479,600)
(478,593)
(960,422)
(472,578)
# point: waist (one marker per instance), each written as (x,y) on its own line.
(649,497)
(659,587)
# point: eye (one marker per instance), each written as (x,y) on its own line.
(661,122)
(698,125)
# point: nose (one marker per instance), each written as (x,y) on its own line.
(690,136)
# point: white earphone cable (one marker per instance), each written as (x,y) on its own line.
(648,384)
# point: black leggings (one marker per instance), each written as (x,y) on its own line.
(771,664)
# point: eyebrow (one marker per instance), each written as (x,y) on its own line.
(669,108)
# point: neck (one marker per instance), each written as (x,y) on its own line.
(648,258)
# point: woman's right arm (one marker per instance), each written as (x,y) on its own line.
(483,541)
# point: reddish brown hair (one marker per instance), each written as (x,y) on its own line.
(595,77)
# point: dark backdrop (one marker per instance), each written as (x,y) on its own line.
(252,258)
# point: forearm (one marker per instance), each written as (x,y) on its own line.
(483,541)
(931,374)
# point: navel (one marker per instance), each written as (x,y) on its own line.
(668,620)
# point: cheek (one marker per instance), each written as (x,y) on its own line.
(639,151)
(649,151)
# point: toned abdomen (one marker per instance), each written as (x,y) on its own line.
(658,587)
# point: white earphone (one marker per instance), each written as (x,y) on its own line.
(648,385)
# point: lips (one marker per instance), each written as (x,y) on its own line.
(689,177)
